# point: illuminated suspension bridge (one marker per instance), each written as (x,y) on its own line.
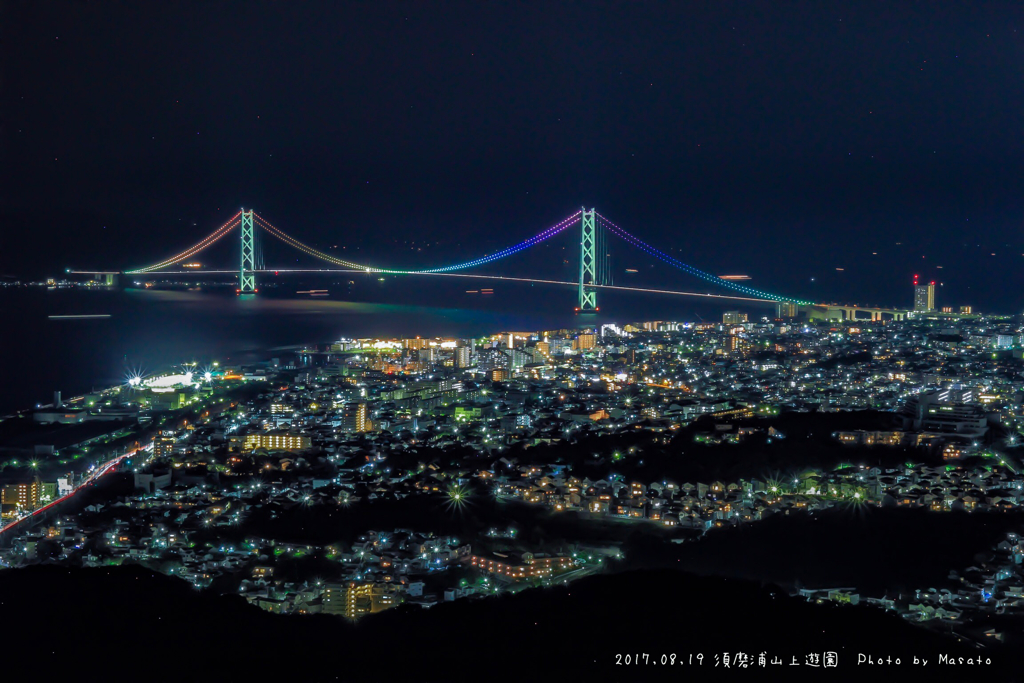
(594,231)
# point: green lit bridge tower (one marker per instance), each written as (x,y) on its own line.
(246,274)
(588,264)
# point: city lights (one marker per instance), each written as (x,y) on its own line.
(465,424)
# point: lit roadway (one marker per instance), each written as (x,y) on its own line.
(458,275)
(106,467)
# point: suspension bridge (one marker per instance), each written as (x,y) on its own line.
(594,231)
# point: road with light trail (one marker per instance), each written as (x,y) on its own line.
(102,470)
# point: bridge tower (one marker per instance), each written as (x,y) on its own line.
(588,263)
(246,276)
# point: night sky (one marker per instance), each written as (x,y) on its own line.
(779,140)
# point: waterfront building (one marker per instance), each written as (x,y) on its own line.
(924,297)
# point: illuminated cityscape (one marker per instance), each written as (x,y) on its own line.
(527,341)
(614,422)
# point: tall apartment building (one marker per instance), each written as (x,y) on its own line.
(734,318)
(163,444)
(354,417)
(416,343)
(586,341)
(463,357)
(26,495)
(924,296)
(785,309)
(354,599)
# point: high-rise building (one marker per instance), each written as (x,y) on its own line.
(490,359)
(353,417)
(463,357)
(734,318)
(586,341)
(354,600)
(559,346)
(965,310)
(737,345)
(416,343)
(163,445)
(517,358)
(25,495)
(333,599)
(47,492)
(924,296)
(785,309)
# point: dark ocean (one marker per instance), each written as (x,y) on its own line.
(153,329)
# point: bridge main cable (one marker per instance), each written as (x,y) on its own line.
(195,248)
(643,246)
(508,251)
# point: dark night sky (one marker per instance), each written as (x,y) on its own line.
(781,140)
